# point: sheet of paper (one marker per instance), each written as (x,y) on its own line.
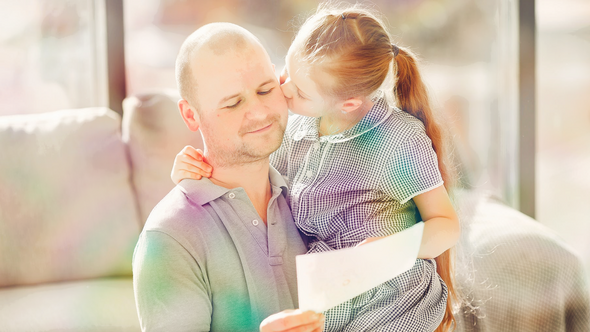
(329,278)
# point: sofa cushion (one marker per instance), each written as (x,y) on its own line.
(92,305)
(517,274)
(67,209)
(154,132)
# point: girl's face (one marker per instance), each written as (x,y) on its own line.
(301,92)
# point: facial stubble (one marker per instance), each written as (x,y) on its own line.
(243,149)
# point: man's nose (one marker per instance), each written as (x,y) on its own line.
(257,108)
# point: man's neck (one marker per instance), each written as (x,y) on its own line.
(253,177)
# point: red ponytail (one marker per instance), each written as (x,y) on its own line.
(412,97)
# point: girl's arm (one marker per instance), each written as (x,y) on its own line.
(190,164)
(413,168)
(441,225)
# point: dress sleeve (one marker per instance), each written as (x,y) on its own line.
(171,292)
(412,169)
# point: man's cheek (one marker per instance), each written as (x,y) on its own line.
(280,103)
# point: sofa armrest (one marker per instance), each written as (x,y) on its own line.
(67,209)
(517,275)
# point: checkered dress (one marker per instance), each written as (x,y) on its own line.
(357,184)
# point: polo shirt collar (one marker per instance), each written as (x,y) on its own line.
(277,180)
(308,128)
(204,191)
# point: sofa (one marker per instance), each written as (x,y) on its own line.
(77,185)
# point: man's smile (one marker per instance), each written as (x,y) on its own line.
(261,129)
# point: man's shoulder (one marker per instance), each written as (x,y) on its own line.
(177,214)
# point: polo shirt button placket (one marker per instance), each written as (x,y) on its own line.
(255,222)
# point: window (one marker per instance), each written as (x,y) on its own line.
(469,52)
(52,55)
(563,113)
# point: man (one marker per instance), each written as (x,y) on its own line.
(219,254)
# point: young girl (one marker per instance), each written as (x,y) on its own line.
(359,169)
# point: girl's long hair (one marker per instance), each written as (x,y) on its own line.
(352,46)
(411,95)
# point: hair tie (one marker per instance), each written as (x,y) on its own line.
(343,17)
(395,50)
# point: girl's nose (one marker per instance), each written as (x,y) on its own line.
(287,88)
(283,76)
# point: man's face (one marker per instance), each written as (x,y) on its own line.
(242,111)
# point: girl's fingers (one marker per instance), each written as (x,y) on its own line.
(179,175)
(190,161)
(194,169)
(189,175)
(191,151)
(201,153)
(190,164)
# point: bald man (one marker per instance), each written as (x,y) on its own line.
(219,254)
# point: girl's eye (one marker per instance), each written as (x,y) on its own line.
(262,93)
(234,105)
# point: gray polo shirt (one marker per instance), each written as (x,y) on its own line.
(205,261)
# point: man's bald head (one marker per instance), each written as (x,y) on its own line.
(218,38)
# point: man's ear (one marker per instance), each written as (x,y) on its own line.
(189,115)
(350,105)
